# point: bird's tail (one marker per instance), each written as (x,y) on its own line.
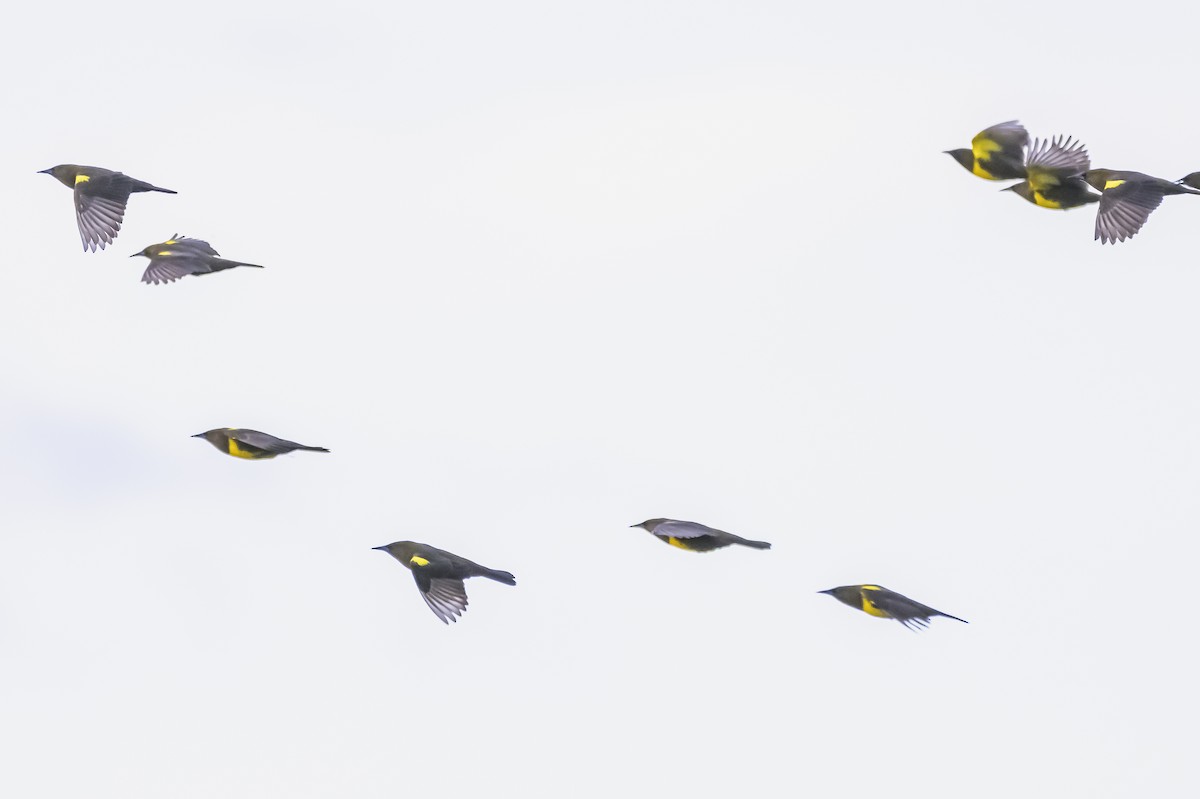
(746,542)
(141,185)
(956,618)
(1192,180)
(310,449)
(217,264)
(499,576)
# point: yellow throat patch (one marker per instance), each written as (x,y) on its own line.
(678,542)
(1112,184)
(81,179)
(418,560)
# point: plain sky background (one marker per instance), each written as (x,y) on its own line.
(539,271)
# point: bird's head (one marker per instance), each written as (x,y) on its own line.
(847,594)
(1022,189)
(400,550)
(963,156)
(63,173)
(160,249)
(649,524)
(216,436)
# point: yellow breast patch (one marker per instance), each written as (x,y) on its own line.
(1112,184)
(1041,200)
(981,172)
(238,452)
(81,179)
(678,542)
(418,560)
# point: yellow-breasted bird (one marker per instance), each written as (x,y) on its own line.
(695,537)
(180,256)
(882,603)
(1054,174)
(251,444)
(440,574)
(1126,201)
(100,198)
(997,153)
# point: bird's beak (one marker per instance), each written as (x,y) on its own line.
(826,591)
(135,255)
(45,171)
(382,548)
(198,435)
(1013,187)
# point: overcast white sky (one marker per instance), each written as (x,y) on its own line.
(535,273)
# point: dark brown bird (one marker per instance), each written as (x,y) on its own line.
(180,256)
(878,601)
(1126,201)
(251,444)
(440,574)
(695,537)
(996,153)
(100,198)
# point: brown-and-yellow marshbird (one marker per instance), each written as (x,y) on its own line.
(884,604)
(695,537)
(1054,174)
(1126,200)
(251,444)
(180,256)
(100,198)
(440,574)
(997,153)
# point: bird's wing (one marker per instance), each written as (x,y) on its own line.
(166,268)
(676,529)
(1008,138)
(193,245)
(99,218)
(1125,208)
(1049,161)
(264,441)
(445,596)
(899,607)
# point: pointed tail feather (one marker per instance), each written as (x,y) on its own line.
(746,542)
(141,185)
(218,264)
(312,449)
(500,576)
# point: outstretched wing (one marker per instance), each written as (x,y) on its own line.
(174,265)
(445,596)
(1049,161)
(1008,139)
(99,219)
(1125,208)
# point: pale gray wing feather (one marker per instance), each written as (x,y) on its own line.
(264,441)
(446,597)
(99,219)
